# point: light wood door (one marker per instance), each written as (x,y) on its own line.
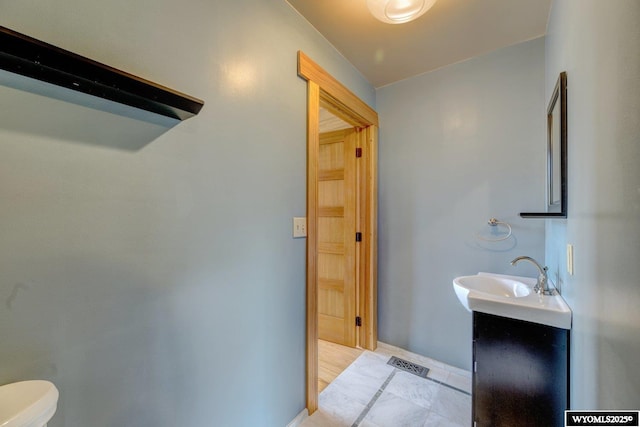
(337,199)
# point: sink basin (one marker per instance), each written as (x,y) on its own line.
(499,286)
(27,403)
(513,297)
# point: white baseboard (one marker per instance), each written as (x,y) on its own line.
(299,418)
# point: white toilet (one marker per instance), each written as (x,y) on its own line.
(27,403)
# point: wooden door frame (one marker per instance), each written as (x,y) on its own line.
(322,88)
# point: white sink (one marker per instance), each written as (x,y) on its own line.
(27,403)
(513,297)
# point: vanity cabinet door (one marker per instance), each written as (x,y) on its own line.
(520,373)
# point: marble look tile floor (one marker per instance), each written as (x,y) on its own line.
(370,393)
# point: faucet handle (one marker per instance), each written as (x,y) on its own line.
(544,288)
(541,286)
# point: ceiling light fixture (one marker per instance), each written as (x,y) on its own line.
(398,11)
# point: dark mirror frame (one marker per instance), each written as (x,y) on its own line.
(556,154)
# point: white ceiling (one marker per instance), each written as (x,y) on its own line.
(451,31)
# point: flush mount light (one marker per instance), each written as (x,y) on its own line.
(398,11)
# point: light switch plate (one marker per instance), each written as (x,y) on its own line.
(299,227)
(570,259)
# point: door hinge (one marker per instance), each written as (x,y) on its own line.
(358,321)
(475,366)
(358,237)
(359,152)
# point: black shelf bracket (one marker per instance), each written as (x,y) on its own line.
(24,55)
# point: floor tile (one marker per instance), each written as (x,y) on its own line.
(439,374)
(458,371)
(372,365)
(458,381)
(453,405)
(405,400)
(367,423)
(358,387)
(323,419)
(339,406)
(393,411)
(413,388)
(435,420)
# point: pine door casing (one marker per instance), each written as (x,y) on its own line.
(336,250)
(324,88)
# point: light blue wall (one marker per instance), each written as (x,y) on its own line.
(148,270)
(597,44)
(457,146)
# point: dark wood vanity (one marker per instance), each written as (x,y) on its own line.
(520,373)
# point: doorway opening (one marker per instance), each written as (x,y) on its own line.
(341,220)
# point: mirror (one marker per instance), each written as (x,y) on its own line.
(556,154)
(557,148)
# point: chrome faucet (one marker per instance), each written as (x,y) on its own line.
(541,286)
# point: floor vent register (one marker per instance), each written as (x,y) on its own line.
(405,365)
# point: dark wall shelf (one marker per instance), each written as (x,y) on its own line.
(543,215)
(33,58)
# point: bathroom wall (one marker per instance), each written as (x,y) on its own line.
(458,146)
(597,44)
(147,267)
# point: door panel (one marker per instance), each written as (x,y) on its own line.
(336,237)
(331,193)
